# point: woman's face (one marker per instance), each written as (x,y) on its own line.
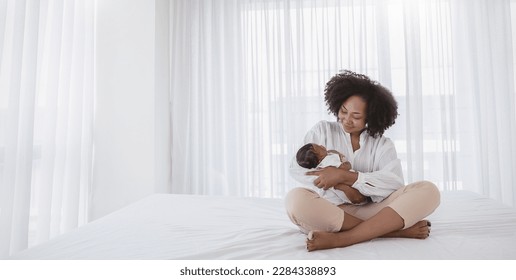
(352,114)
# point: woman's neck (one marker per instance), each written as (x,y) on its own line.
(355,141)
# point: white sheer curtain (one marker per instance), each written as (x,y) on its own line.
(46,116)
(248,79)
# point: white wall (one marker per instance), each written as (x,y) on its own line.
(162,148)
(130,134)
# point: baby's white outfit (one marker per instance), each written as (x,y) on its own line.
(333,195)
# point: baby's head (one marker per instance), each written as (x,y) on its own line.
(310,155)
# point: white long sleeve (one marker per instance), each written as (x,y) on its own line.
(379,169)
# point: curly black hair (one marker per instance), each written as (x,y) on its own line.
(306,156)
(382,108)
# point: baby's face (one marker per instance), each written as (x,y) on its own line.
(320,151)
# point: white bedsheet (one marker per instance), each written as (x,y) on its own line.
(166,226)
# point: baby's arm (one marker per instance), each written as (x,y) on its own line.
(346,165)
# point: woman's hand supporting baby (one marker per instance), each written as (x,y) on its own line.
(331,176)
(353,194)
(340,179)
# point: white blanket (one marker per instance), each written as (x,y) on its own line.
(166,226)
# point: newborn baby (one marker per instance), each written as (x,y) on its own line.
(316,156)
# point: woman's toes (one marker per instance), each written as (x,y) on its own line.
(310,245)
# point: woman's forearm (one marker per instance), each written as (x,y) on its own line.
(348,177)
(352,194)
(331,176)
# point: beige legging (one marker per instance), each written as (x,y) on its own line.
(309,211)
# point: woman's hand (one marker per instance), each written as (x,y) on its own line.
(327,177)
(332,176)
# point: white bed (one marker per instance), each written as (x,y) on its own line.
(166,226)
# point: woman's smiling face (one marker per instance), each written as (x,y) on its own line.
(352,114)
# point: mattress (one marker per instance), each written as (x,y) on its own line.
(189,227)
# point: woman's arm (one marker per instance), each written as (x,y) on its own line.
(385,177)
(314,135)
(379,184)
(352,194)
(332,176)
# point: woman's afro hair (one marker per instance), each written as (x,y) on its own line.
(382,108)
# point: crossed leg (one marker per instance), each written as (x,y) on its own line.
(387,223)
(400,215)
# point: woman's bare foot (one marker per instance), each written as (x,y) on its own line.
(421,230)
(320,240)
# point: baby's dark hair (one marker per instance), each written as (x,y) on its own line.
(306,156)
(382,108)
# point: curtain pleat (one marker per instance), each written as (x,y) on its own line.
(46,116)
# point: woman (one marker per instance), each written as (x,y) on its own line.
(364,110)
